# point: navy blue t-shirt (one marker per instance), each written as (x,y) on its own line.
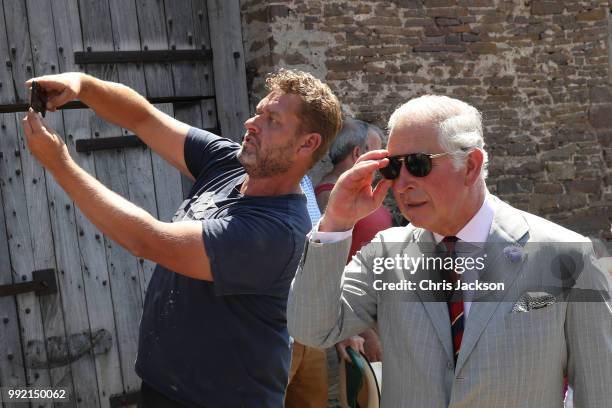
(225,343)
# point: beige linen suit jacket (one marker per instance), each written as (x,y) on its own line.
(507,359)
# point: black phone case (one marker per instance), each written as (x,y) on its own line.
(38,99)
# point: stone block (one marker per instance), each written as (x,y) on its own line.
(600,115)
(483,48)
(593,186)
(470,37)
(278,11)
(541,8)
(512,186)
(440,3)
(592,15)
(521,149)
(560,171)
(600,94)
(446,22)
(439,48)
(548,188)
(560,154)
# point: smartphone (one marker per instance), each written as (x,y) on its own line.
(38,99)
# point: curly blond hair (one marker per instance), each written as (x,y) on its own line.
(320,109)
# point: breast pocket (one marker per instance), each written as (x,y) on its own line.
(537,334)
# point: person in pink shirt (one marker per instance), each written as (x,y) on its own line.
(355,139)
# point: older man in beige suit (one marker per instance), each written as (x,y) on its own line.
(531,308)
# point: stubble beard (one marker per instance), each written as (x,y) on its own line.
(274,162)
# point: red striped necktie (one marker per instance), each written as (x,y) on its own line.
(455,300)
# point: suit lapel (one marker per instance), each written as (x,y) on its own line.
(509,228)
(436,310)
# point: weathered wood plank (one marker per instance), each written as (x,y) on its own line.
(168,190)
(98,35)
(229,66)
(190,113)
(7,88)
(44,258)
(141,191)
(126,38)
(153,36)
(67,27)
(20,53)
(123,267)
(111,171)
(42,35)
(92,256)
(93,265)
(21,252)
(45,61)
(209,114)
(188,78)
(12,372)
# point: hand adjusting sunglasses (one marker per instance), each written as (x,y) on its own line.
(417,164)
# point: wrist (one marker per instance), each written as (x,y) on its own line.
(61,164)
(86,83)
(329,224)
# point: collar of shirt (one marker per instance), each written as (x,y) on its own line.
(477,229)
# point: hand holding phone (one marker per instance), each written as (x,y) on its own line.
(38,99)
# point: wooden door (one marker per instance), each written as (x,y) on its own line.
(83,337)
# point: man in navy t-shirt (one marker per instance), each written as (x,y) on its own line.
(213,331)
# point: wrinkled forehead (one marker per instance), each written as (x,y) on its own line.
(281,103)
(413,137)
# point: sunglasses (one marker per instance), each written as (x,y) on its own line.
(417,164)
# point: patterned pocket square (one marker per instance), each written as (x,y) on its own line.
(533,300)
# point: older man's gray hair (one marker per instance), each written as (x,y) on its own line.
(353,133)
(459,125)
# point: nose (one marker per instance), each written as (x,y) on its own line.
(251,124)
(405,181)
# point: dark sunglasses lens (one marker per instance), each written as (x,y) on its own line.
(392,170)
(418,164)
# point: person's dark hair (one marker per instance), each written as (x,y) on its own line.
(353,133)
(320,111)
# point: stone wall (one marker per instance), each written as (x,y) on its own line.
(538,71)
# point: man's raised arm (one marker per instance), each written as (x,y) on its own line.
(322,310)
(123,106)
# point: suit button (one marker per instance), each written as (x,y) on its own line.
(450,365)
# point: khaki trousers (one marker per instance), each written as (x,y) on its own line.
(307,378)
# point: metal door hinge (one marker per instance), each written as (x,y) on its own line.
(43,283)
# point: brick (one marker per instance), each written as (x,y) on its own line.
(560,154)
(548,188)
(542,8)
(446,22)
(383,21)
(278,11)
(600,94)
(511,186)
(470,37)
(440,3)
(592,15)
(483,48)
(600,115)
(584,186)
(334,9)
(522,149)
(439,48)
(560,171)
(410,4)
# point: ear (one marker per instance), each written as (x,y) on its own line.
(473,166)
(356,153)
(309,143)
